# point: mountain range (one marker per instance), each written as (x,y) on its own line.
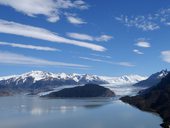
(36,80)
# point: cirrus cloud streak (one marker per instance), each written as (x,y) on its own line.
(19,59)
(125,64)
(80,36)
(9,27)
(33,47)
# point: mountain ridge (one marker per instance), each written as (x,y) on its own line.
(152,80)
(40,75)
(41,81)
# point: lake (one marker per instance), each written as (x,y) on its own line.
(23,111)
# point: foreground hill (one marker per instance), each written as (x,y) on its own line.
(88,90)
(155,99)
(40,80)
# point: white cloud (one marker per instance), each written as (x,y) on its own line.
(91,59)
(41,48)
(43,34)
(137,52)
(165,56)
(81,36)
(150,22)
(140,22)
(126,64)
(75,20)
(19,59)
(52,9)
(104,38)
(53,19)
(143,43)
(164,15)
(168,23)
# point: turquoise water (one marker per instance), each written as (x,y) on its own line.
(34,112)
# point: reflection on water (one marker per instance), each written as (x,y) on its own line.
(35,112)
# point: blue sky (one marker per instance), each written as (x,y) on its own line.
(85,36)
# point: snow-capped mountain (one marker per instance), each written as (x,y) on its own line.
(154,79)
(36,76)
(47,80)
(126,79)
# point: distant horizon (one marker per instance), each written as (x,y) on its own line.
(112,38)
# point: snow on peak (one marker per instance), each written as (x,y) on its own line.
(42,75)
(7,77)
(126,79)
(62,75)
(159,75)
(163,73)
(37,75)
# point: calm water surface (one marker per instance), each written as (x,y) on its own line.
(34,112)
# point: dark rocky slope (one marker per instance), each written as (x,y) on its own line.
(153,80)
(155,99)
(88,90)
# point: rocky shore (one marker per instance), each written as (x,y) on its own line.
(155,99)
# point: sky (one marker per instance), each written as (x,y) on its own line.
(112,38)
